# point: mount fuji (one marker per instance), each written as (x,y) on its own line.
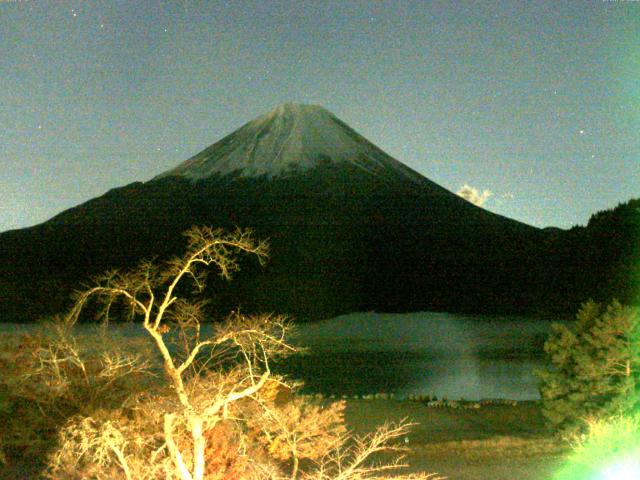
(350,228)
(290,139)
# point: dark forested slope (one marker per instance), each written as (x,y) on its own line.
(351,229)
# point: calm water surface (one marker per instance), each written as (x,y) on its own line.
(426,353)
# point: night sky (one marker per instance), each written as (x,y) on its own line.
(536,102)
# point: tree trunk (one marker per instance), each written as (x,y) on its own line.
(198,447)
(176,456)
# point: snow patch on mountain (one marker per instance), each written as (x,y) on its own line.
(289,139)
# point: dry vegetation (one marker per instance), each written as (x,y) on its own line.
(175,404)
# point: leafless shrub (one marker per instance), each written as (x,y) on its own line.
(351,459)
(50,374)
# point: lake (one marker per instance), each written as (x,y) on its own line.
(426,353)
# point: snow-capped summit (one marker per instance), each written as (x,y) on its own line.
(290,138)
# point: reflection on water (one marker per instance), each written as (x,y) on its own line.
(421,353)
(404,374)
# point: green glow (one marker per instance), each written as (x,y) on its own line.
(627,71)
(610,450)
(625,469)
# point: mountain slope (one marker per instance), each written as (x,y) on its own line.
(350,228)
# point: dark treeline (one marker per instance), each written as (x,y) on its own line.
(600,261)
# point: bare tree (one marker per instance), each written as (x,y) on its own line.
(151,293)
(220,384)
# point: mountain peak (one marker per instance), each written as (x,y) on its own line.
(297,110)
(290,138)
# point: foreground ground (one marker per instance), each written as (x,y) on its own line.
(495,442)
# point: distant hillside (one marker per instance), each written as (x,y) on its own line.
(395,250)
(600,260)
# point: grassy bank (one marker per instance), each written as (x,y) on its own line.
(494,442)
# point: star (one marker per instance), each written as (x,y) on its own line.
(581,132)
